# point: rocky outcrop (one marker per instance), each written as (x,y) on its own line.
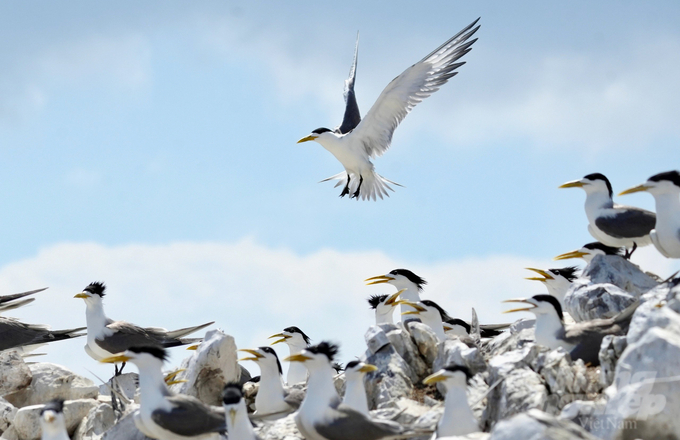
(14,373)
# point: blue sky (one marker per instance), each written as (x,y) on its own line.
(153,146)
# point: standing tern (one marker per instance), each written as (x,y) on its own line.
(355,142)
(458,418)
(296,340)
(14,301)
(384,307)
(162,414)
(431,315)
(405,281)
(106,337)
(322,415)
(582,340)
(610,223)
(589,250)
(239,426)
(355,391)
(665,187)
(52,422)
(271,398)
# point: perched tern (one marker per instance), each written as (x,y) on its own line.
(459,327)
(557,281)
(322,415)
(296,340)
(665,187)
(52,422)
(431,314)
(355,142)
(355,391)
(106,337)
(384,307)
(15,334)
(458,418)
(610,223)
(582,340)
(589,250)
(14,301)
(271,398)
(405,281)
(162,414)
(239,426)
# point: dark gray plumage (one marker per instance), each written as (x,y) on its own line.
(190,417)
(629,223)
(14,334)
(128,335)
(346,423)
(352,115)
(9,302)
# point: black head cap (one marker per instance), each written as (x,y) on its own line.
(272,352)
(445,316)
(453,368)
(415,279)
(552,300)
(158,352)
(351,364)
(460,322)
(600,176)
(293,329)
(321,130)
(96,288)
(671,176)
(609,250)
(56,405)
(232,393)
(375,300)
(323,347)
(567,272)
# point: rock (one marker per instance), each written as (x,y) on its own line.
(515,338)
(98,420)
(425,339)
(610,351)
(391,381)
(586,302)
(401,341)
(613,269)
(537,425)
(566,380)
(456,352)
(586,414)
(210,368)
(126,384)
(52,381)
(645,396)
(27,420)
(376,338)
(521,390)
(405,412)
(7,413)
(125,429)
(648,316)
(281,429)
(14,373)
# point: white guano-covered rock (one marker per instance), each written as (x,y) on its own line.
(14,373)
(456,352)
(210,368)
(537,425)
(51,381)
(281,429)
(7,413)
(125,429)
(27,420)
(425,339)
(96,423)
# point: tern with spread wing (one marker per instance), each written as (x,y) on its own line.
(355,141)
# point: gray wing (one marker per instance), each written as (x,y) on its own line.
(126,335)
(352,116)
(190,417)
(347,423)
(6,298)
(9,302)
(629,222)
(14,333)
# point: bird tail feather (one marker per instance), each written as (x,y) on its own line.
(373,185)
(188,330)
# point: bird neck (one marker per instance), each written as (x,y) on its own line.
(595,201)
(269,398)
(383,316)
(410,294)
(436,324)
(96,319)
(548,328)
(321,391)
(458,418)
(54,431)
(667,208)
(355,394)
(558,290)
(297,372)
(239,426)
(152,389)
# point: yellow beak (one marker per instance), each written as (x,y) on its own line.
(82,295)
(520,300)
(378,280)
(411,304)
(572,184)
(392,300)
(297,358)
(255,353)
(634,189)
(193,347)
(116,359)
(367,368)
(434,378)
(568,255)
(546,275)
(306,138)
(279,335)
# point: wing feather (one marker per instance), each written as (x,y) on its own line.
(190,417)
(352,115)
(630,222)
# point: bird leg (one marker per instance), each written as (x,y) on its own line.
(345,190)
(627,255)
(356,193)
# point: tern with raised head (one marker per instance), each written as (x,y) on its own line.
(296,340)
(384,307)
(458,418)
(557,281)
(405,281)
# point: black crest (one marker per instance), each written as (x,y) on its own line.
(337,366)
(273,353)
(671,176)
(293,329)
(445,316)
(460,322)
(232,393)
(415,279)
(96,288)
(552,300)
(323,347)
(375,300)
(351,364)
(321,130)
(567,272)
(609,250)
(465,370)
(158,352)
(56,405)
(600,176)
